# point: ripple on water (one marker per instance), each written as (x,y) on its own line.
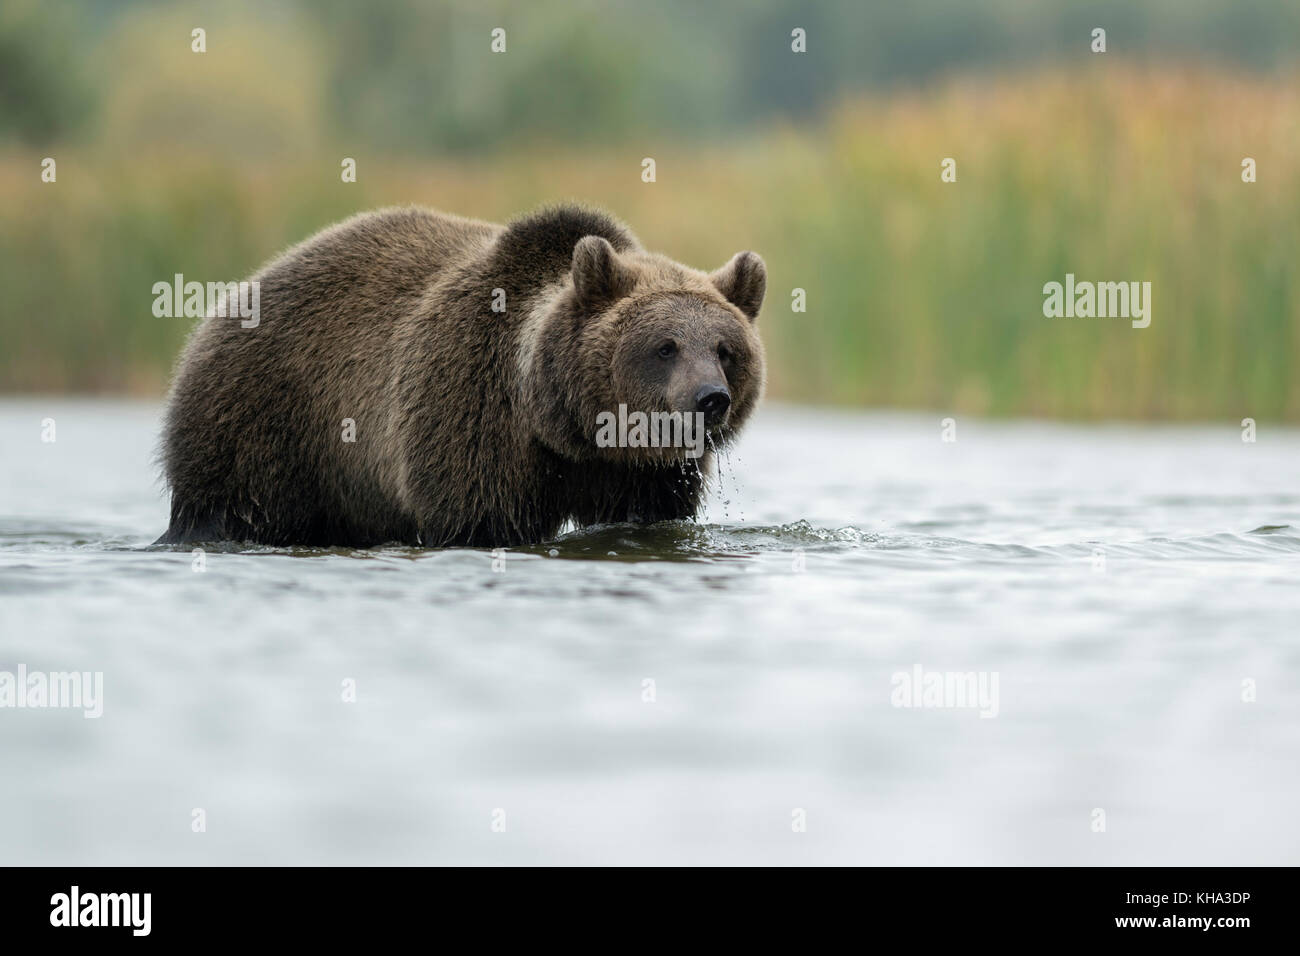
(526,689)
(683,541)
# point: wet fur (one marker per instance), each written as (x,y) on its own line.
(473,427)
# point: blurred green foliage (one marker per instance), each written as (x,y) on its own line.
(41,98)
(920,293)
(418,76)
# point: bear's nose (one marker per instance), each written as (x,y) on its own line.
(713,401)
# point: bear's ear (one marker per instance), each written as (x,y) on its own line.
(599,275)
(742,282)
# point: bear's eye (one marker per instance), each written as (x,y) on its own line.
(668,350)
(724,354)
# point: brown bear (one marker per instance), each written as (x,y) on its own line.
(420,378)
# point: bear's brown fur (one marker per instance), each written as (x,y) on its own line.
(471,426)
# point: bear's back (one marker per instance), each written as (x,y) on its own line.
(256,413)
(371,263)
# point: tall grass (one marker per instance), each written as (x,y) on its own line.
(919,293)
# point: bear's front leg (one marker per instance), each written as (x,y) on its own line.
(671,496)
(645,494)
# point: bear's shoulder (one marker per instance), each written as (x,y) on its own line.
(541,243)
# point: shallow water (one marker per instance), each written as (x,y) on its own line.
(1122,583)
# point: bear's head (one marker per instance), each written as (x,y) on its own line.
(635,340)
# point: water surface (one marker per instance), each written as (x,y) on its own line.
(1122,582)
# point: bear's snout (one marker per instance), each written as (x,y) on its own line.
(713,401)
